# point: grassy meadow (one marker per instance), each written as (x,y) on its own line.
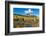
(20,21)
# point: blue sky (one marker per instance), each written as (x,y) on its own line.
(35,11)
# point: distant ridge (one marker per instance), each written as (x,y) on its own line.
(25,15)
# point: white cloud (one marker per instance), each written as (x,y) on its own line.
(28,11)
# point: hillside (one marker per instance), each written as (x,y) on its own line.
(25,21)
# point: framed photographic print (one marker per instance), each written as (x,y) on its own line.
(24,17)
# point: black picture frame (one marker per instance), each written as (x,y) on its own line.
(7,16)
